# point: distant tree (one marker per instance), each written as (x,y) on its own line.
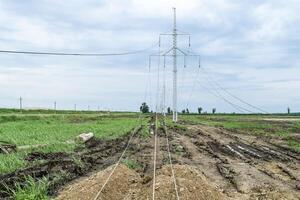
(169,110)
(144,108)
(288,110)
(200,110)
(183,111)
(214,111)
(187,111)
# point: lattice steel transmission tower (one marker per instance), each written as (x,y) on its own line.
(173,52)
(174,68)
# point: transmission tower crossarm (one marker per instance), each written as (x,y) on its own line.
(173,33)
(174,51)
(165,54)
(184,53)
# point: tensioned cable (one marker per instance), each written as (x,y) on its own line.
(183,77)
(158,82)
(154,159)
(221,96)
(232,95)
(115,167)
(150,86)
(217,94)
(193,87)
(122,155)
(164,88)
(156,128)
(210,79)
(171,165)
(75,54)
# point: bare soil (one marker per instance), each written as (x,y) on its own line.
(209,163)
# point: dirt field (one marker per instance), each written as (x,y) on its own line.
(210,163)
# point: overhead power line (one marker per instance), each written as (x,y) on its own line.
(218,95)
(238,107)
(75,54)
(230,94)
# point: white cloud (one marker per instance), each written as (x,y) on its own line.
(247,44)
(274,20)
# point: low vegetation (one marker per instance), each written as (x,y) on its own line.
(280,126)
(131,164)
(53,132)
(32,190)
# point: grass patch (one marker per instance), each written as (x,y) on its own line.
(78,161)
(294,145)
(11,162)
(131,164)
(33,190)
(178,127)
(145,132)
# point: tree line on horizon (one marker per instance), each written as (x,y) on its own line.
(144,108)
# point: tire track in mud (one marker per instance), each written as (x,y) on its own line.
(162,161)
(209,163)
(235,165)
(258,154)
(141,152)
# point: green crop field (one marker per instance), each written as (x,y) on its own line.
(54,130)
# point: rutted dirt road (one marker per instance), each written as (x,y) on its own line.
(243,166)
(210,163)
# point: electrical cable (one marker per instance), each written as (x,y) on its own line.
(75,54)
(171,165)
(193,86)
(116,165)
(230,94)
(154,158)
(217,94)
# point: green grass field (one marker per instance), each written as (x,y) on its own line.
(54,130)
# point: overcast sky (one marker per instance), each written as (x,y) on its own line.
(249,47)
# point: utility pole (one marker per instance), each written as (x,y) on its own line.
(21,104)
(174,68)
(75,107)
(55,106)
(173,51)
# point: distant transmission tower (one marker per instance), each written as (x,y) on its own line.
(173,52)
(21,104)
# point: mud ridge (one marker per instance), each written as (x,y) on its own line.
(61,168)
